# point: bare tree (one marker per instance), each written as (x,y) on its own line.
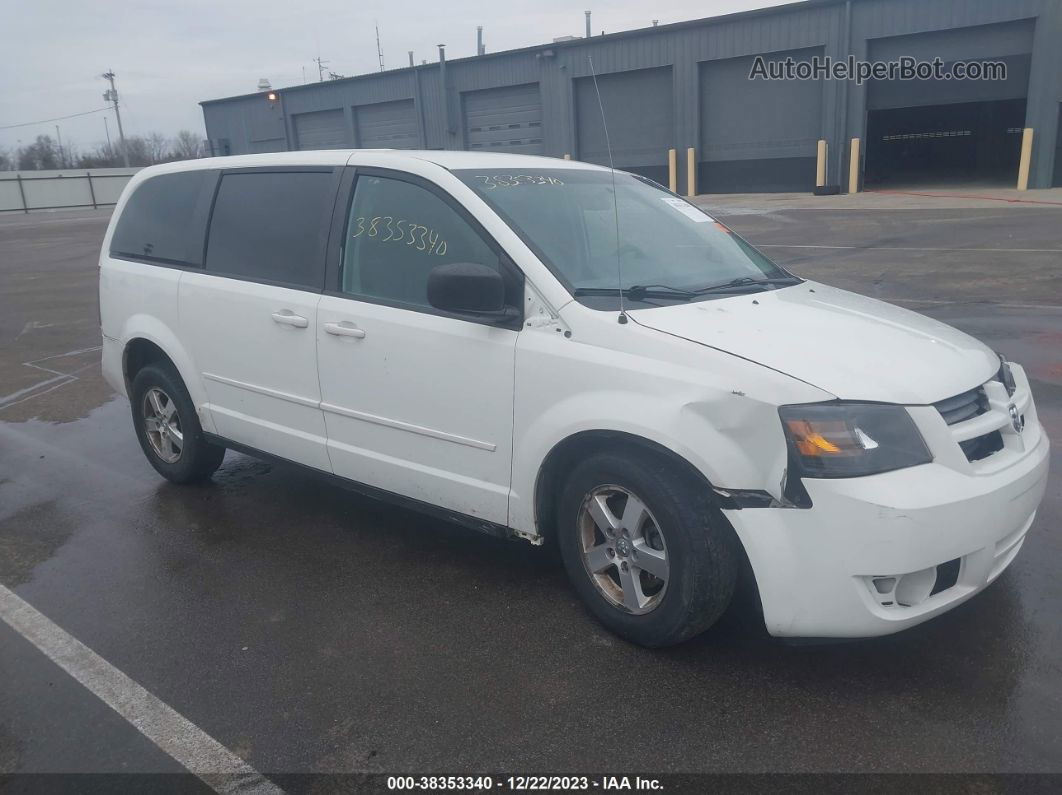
(7,162)
(158,146)
(139,154)
(187,146)
(103,156)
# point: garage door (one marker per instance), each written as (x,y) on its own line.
(1010,43)
(758,135)
(1057,181)
(641,120)
(323,129)
(387,125)
(504,120)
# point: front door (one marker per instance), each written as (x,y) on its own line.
(415,401)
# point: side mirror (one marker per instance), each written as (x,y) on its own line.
(471,289)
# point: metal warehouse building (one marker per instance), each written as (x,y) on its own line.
(686,87)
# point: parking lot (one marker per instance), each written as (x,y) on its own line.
(309,630)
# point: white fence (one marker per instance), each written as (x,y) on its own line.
(25,191)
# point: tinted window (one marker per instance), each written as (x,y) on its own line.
(267,226)
(160,222)
(397,232)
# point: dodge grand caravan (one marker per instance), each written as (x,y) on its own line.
(548,350)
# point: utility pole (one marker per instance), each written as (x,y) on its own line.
(107,130)
(59,138)
(379,50)
(112,96)
(320,68)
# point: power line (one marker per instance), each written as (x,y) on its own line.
(57,118)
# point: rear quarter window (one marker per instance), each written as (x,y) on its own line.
(165,219)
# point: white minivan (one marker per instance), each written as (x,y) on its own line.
(549,350)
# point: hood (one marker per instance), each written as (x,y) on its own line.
(854,347)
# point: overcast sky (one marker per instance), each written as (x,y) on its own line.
(169,56)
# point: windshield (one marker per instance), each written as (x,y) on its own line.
(668,249)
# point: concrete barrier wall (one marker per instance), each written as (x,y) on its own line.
(25,191)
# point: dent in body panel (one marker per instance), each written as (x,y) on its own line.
(637,381)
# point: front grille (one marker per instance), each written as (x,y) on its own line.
(982,446)
(963,407)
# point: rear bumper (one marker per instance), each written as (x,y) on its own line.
(826,571)
(113,372)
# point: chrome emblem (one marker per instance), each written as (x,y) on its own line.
(1017,421)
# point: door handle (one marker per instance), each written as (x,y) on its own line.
(344,329)
(286,317)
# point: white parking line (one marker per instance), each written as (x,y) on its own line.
(202,755)
(65,378)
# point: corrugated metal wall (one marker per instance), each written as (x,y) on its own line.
(678,79)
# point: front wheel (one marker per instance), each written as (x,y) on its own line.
(645,549)
(168,428)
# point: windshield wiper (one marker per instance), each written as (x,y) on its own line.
(637,292)
(746,282)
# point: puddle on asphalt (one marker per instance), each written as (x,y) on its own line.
(30,537)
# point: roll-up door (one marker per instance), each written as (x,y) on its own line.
(504,120)
(758,135)
(639,109)
(323,129)
(387,125)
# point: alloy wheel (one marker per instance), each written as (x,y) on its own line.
(623,549)
(162,425)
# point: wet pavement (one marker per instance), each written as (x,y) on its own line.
(308,629)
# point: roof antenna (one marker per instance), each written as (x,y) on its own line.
(379,50)
(615,197)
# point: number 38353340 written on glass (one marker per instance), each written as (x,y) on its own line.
(388,229)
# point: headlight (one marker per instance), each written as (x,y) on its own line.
(849,440)
(1005,375)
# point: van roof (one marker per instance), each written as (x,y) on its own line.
(337,157)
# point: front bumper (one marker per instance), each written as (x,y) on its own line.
(879,554)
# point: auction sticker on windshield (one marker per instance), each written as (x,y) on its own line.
(687,209)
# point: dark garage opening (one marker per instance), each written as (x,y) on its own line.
(970,143)
(1057,181)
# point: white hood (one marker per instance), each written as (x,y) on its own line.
(854,347)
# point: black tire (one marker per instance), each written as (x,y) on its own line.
(198,459)
(702,552)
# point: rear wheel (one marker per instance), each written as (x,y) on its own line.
(652,558)
(168,428)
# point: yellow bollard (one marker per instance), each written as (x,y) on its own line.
(672,170)
(1026,158)
(820,168)
(853,168)
(691,172)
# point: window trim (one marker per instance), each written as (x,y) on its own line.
(511,273)
(323,231)
(200,219)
